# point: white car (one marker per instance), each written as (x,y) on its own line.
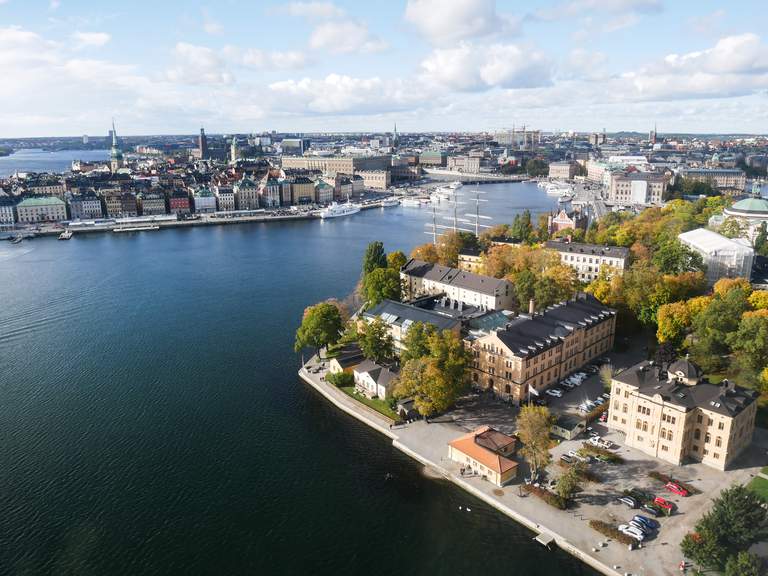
(595,440)
(554,392)
(631,531)
(583,408)
(607,444)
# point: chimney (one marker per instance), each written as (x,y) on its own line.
(531,307)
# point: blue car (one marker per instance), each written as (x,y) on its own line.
(647,522)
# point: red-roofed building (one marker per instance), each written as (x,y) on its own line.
(486,452)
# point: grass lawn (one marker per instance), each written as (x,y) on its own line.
(381,406)
(759,486)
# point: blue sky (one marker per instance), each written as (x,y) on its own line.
(236,66)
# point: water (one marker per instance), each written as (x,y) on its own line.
(36,160)
(151,419)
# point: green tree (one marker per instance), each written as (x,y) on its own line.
(750,341)
(761,240)
(321,326)
(522,228)
(673,321)
(732,228)
(451,356)
(416,341)
(525,286)
(422,380)
(396,259)
(712,325)
(382,284)
(704,549)
(738,517)
(533,426)
(673,257)
(536,167)
(374,257)
(568,483)
(743,564)
(375,341)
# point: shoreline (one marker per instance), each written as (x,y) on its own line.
(348,405)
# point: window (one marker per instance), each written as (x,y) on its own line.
(664,448)
(706,451)
(697,434)
(716,455)
(695,448)
(699,419)
(624,409)
(718,441)
(639,438)
(720,425)
(645,426)
(638,424)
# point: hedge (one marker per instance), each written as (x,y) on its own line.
(590,449)
(611,531)
(664,478)
(340,379)
(596,412)
(549,497)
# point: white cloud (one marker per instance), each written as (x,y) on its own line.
(255,58)
(443,23)
(319,10)
(470,67)
(743,53)
(343,36)
(211,26)
(90,39)
(197,65)
(54,4)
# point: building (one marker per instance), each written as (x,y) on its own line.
(323,192)
(534,351)
(337,164)
(422,278)
(47,188)
(373,380)
(487,453)
(589,259)
(471,260)
(469,164)
(565,220)
(676,415)
(247,194)
(751,212)
(153,204)
(627,188)
(225,198)
(562,170)
(724,257)
(346,359)
(116,160)
(112,205)
(302,191)
(85,207)
(400,316)
(433,158)
(204,201)
(41,209)
(294,146)
(202,145)
(376,179)
(179,202)
(7,211)
(720,178)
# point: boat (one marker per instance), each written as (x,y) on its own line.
(16,239)
(135,228)
(565,198)
(66,235)
(411,202)
(558,188)
(389,202)
(336,210)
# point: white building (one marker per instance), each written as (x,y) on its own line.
(637,188)
(373,380)
(6,210)
(41,209)
(225,198)
(589,259)
(724,257)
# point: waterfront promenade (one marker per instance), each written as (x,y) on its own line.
(427,443)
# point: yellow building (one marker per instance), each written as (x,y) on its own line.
(486,452)
(470,260)
(677,416)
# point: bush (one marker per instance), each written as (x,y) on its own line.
(341,379)
(549,497)
(611,531)
(664,478)
(588,449)
(596,412)
(583,472)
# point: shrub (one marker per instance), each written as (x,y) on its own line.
(588,449)
(596,412)
(583,472)
(611,531)
(341,379)
(549,497)
(664,478)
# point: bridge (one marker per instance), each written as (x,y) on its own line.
(474,178)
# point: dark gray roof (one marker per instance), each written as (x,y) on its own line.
(454,277)
(397,313)
(470,251)
(380,374)
(725,398)
(590,249)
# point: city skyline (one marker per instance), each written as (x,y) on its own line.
(340,67)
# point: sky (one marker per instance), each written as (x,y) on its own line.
(170,66)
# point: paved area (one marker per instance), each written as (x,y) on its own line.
(427,442)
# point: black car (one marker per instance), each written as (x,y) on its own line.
(652,510)
(642,495)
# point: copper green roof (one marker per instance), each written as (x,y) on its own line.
(751,205)
(41,201)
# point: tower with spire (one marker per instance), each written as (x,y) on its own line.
(395,138)
(115,154)
(233,151)
(202,144)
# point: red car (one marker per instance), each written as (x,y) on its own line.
(676,489)
(662,503)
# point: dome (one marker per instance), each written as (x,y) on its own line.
(685,369)
(749,206)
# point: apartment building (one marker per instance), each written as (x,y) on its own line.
(676,415)
(471,260)
(7,210)
(204,201)
(337,164)
(376,179)
(85,207)
(302,191)
(469,164)
(484,292)
(247,194)
(153,204)
(627,188)
(721,178)
(534,351)
(589,259)
(225,198)
(41,209)
(562,170)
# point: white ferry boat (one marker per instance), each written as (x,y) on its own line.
(558,188)
(336,210)
(135,228)
(389,202)
(66,235)
(411,202)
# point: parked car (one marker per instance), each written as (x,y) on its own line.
(648,522)
(595,440)
(599,401)
(651,509)
(567,459)
(628,500)
(607,444)
(631,531)
(604,417)
(575,455)
(642,495)
(676,489)
(540,402)
(663,503)
(640,526)
(606,395)
(554,392)
(567,385)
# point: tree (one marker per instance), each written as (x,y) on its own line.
(426,252)
(732,228)
(452,357)
(750,341)
(374,257)
(341,379)
(522,228)
(416,341)
(712,326)
(396,259)
(568,483)
(703,548)
(743,564)
(525,286)
(375,341)
(606,376)
(761,240)
(725,285)
(451,243)
(421,379)
(382,284)
(533,426)
(759,299)
(673,320)
(321,326)
(536,167)
(673,257)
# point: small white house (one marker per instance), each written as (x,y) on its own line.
(373,380)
